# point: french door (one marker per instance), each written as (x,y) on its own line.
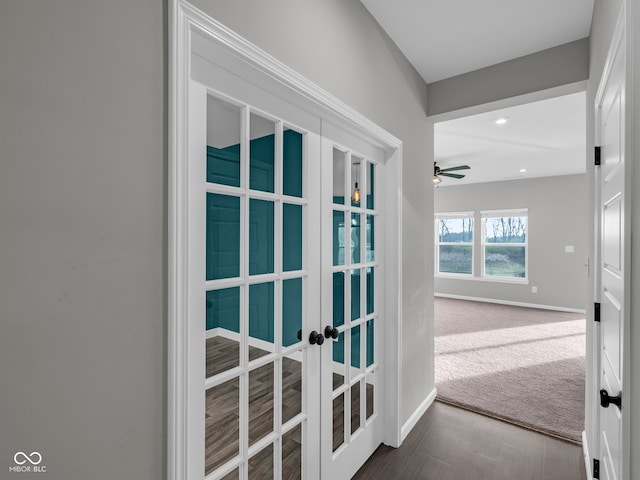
(284,266)
(254,291)
(352,426)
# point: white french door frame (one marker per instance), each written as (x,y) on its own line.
(235,54)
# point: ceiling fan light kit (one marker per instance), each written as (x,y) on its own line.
(446,172)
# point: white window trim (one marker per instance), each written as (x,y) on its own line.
(484,214)
(511,280)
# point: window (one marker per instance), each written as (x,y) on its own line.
(454,243)
(504,244)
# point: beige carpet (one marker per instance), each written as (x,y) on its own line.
(523,365)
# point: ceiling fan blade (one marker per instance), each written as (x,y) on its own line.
(451,169)
(452,175)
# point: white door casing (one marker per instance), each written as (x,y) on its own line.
(612,278)
(201,47)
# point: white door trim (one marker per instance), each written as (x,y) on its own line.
(245,59)
(619,40)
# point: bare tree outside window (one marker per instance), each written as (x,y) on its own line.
(505,246)
(455,245)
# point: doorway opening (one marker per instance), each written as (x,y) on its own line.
(511,256)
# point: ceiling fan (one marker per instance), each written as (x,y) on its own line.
(445,172)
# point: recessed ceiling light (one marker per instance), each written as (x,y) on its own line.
(502,120)
(523,170)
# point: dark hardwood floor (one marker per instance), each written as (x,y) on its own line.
(222,411)
(450,443)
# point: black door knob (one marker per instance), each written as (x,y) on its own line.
(330,332)
(316,338)
(299,334)
(606,399)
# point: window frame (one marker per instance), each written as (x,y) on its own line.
(484,215)
(438,243)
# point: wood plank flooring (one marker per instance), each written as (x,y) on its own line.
(222,411)
(450,443)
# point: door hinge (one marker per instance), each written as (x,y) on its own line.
(596,468)
(596,312)
(598,151)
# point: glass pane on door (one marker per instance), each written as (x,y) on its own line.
(261,237)
(355,407)
(291,237)
(223,142)
(261,402)
(222,424)
(370,186)
(292,454)
(223,236)
(292,370)
(355,238)
(338,361)
(370,384)
(223,328)
(261,314)
(262,151)
(338,421)
(356,185)
(292,163)
(292,297)
(339,179)
(339,234)
(261,464)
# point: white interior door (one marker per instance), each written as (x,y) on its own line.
(254,291)
(613,252)
(352,226)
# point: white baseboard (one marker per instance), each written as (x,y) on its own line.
(508,302)
(587,457)
(417,415)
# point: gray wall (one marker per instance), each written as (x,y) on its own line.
(562,65)
(83,213)
(82,237)
(604,21)
(339,46)
(557,217)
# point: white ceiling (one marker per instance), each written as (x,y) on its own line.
(546,138)
(443,38)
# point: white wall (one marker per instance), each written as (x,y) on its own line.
(556,218)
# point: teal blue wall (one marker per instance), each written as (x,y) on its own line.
(223,238)
(223,253)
